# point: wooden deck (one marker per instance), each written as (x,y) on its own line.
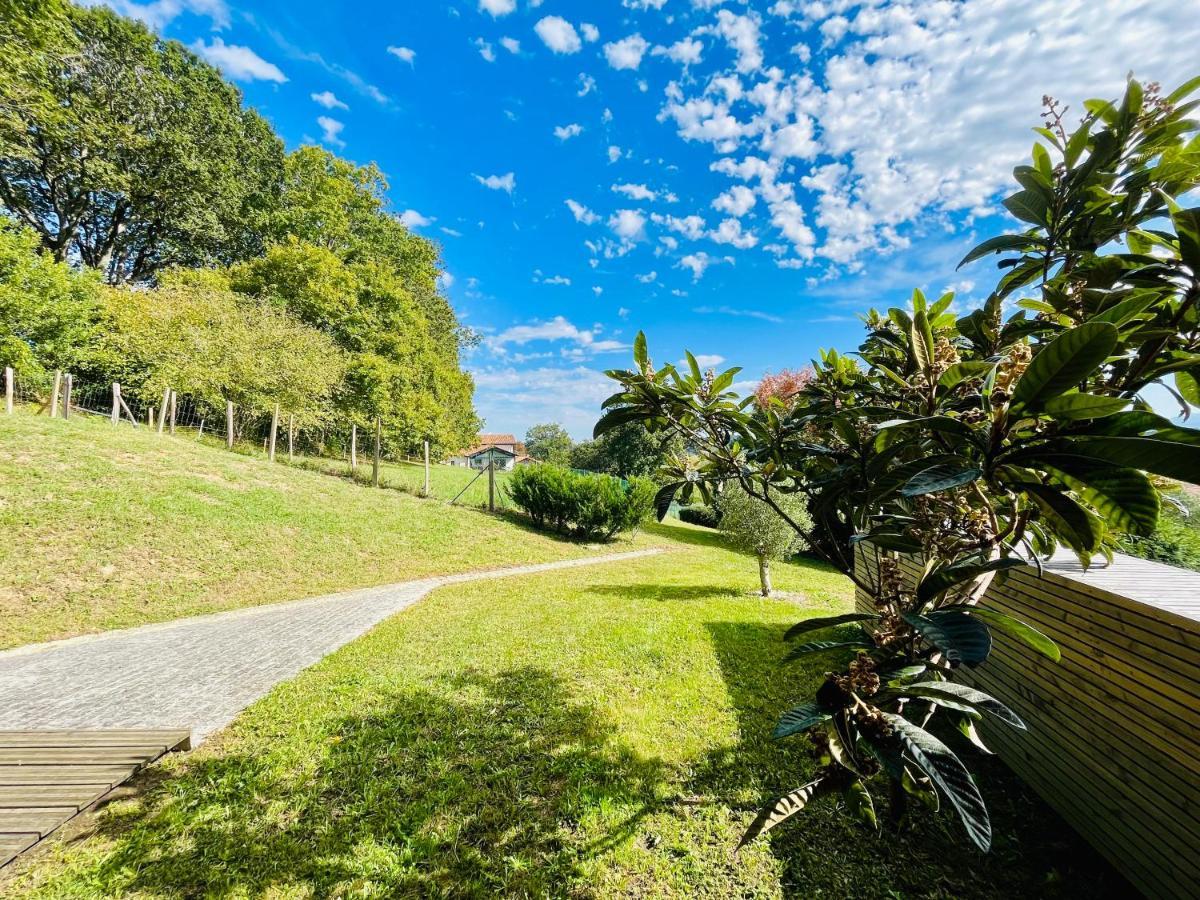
(49,777)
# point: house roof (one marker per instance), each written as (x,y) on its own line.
(478,450)
(485,439)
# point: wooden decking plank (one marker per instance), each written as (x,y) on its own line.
(11,845)
(107,756)
(19,739)
(76,795)
(39,820)
(37,774)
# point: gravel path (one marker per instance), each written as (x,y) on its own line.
(200,672)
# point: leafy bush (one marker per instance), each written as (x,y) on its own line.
(757,528)
(705,516)
(969,443)
(581,505)
(1176,540)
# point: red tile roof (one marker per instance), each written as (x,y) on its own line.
(486,439)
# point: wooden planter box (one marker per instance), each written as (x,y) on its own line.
(1113,740)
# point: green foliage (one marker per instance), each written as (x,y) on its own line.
(48,311)
(705,516)
(549,443)
(972,443)
(626,451)
(215,346)
(580,505)
(1176,538)
(754,527)
(129,150)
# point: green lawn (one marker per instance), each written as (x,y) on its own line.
(599,732)
(109,527)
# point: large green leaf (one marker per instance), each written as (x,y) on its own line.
(620,415)
(1021,242)
(801,718)
(949,774)
(1028,206)
(826,622)
(959,637)
(962,693)
(1126,498)
(859,802)
(1019,630)
(1075,526)
(640,354)
(945,578)
(961,371)
(1188,385)
(665,497)
(782,809)
(1064,362)
(1069,407)
(940,478)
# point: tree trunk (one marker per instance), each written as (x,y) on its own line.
(764,574)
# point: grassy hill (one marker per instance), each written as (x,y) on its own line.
(110,527)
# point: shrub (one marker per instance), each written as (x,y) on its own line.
(753,526)
(705,516)
(1176,540)
(581,505)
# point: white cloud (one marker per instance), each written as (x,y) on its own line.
(486,50)
(708,360)
(450,231)
(737,201)
(512,399)
(730,232)
(628,224)
(591,33)
(506,182)
(558,34)
(698,263)
(554,279)
(404,54)
(635,191)
(497,7)
(626,53)
(445,281)
(742,35)
(587,84)
(328,100)
(331,130)
(623,312)
(511,44)
(413,219)
(738,313)
(614,153)
(648,278)
(691,227)
(582,213)
(566,132)
(687,52)
(239,63)
(158,14)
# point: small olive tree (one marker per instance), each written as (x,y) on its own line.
(753,526)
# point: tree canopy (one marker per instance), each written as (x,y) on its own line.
(549,442)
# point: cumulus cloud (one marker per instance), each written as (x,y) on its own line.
(566,132)
(730,232)
(486,50)
(238,62)
(686,52)
(614,153)
(506,182)
(158,14)
(329,100)
(635,191)
(497,7)
(511,44)
(737,201)
(626,53)
(590,32)
(413,219)
(628,224)
(558,34)
(698,263)
(404,54)
(582,213)
(331,130)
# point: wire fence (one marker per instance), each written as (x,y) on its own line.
(346,450)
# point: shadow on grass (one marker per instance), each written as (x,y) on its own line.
(470,787)
(1034,852)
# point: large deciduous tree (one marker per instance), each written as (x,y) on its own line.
(127,152)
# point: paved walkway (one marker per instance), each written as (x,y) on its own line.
(200,672)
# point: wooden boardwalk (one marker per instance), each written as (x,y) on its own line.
(49,777)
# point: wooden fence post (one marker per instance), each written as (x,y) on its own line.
(116,413)
(378,436)
(54,396)
(172,413)
(274,431)
(228,424)
(9,377)
(291,437)
(201,434)
(162,411)
(67,396)
(492,486)
(353,448)
(427,468)
(150,418)
(125,406)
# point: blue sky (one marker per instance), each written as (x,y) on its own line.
(735,178)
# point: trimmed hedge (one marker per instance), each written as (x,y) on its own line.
(581,505)
(700,515)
